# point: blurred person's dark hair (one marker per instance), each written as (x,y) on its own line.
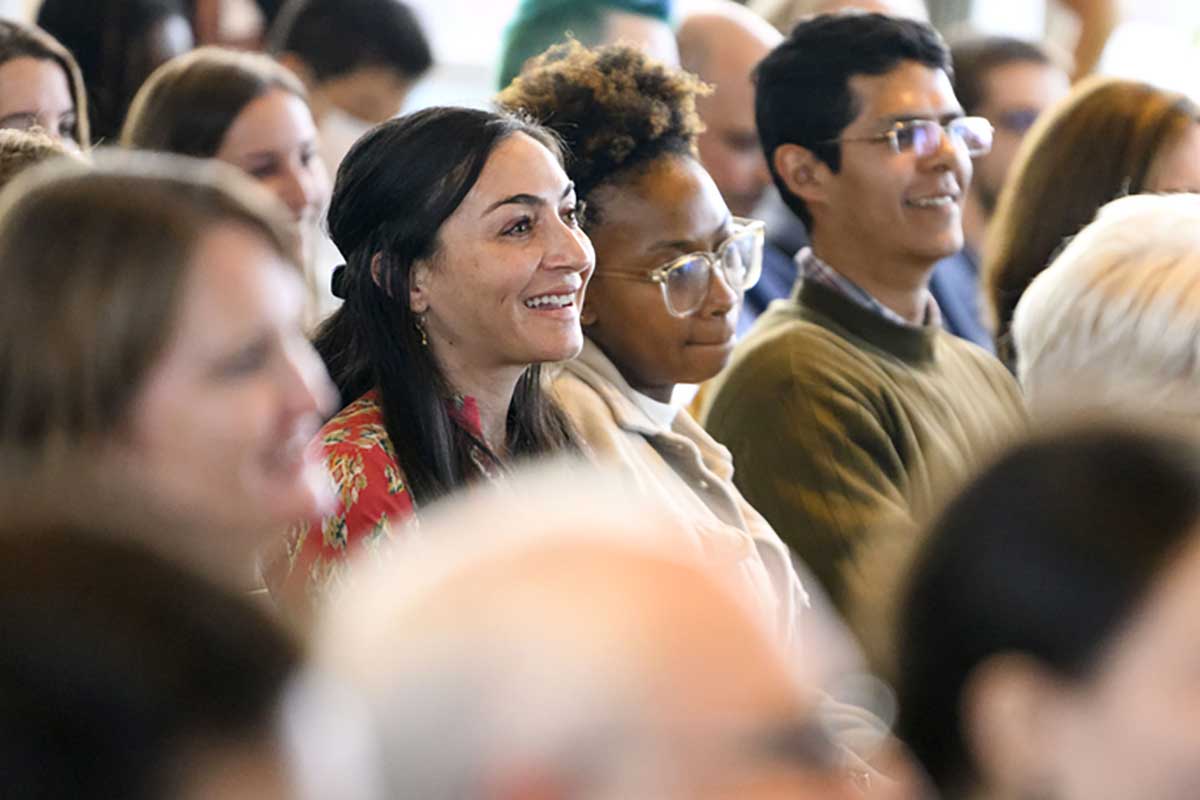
(336,37)
(1097,145)
(115,44)
(395,189)
(20,150)
(18,40)
(123,675)
(616,110)
(975,56)
(802,88)
(188,104)
(93,259)
(1047,555)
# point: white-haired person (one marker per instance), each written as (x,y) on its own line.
(557,638)
(1113,323)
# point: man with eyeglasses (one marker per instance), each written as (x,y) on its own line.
(847,407)
(1010,82)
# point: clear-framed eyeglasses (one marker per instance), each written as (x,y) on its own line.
(685,281)
(923,137)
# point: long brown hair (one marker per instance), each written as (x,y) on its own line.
(187,105)
(1098,145)
(27,41)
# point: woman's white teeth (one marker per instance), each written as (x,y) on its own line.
(933,202)
(551,301)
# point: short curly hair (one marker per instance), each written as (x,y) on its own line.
(616,109)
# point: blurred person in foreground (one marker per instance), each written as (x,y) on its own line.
(1109,138)
(539,24)
(127,677)
(562,647)
(671,265)
(247,110)
(154,375)
(1048,640)
(117,43)
(465,273)
(1010,83)
(359,60)
(1112,323)
(41,86)
(721,42)
(847,406)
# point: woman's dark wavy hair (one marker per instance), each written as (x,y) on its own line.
(394,190)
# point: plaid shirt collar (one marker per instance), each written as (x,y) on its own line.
(814,269)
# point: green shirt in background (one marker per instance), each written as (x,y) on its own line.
(538,24)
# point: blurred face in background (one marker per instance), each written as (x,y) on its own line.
(274,140)
(35,93)
(218,431)
(1017,94)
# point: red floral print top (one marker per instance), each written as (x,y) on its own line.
(372,498)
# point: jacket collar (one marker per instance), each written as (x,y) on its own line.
(595,369)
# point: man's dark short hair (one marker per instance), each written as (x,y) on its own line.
(803,93)
(337,37)
(975,56)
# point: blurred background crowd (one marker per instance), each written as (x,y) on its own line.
(578,399)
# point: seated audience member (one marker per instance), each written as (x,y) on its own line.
(848,405)
(562,650)
(1112,323)
(1009,83)
(539,24)
(20,150)
(1049,632)
(722,43)
(153,364)
(124,676)
(671,265)
(465,271)
(40,86)
(358,58)
(1109,138)
(118,43)
(247,110)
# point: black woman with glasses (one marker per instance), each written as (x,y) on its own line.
(671,266)
(848,407)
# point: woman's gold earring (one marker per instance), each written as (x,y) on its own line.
(419,322)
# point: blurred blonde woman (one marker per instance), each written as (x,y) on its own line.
(154,372)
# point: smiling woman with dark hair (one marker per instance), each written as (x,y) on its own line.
(465,270)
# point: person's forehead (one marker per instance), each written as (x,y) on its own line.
(910,89)
(1025,83)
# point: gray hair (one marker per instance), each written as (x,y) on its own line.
(1113,324)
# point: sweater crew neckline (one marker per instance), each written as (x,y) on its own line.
(914,344)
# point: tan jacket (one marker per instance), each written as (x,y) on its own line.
(684,467)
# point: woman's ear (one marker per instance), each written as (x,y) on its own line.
(418,285)
(801,171)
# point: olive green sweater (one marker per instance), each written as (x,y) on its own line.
(846,427)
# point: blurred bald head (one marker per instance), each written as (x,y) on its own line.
(722,42)
(555,644)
